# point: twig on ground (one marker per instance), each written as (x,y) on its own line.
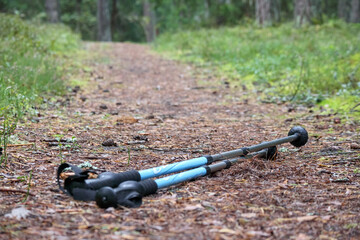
(15,190)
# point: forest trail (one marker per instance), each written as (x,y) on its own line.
(159,111)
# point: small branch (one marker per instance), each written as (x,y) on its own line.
(353,108)
(350,160)
(62,140)
(15,190)
(18,145)
(95,157)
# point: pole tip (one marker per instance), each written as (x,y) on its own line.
(302,136)
(271,153)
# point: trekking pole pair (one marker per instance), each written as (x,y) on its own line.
(128,188)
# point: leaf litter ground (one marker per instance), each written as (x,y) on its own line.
(150,111)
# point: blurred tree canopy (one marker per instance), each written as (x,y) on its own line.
(139,20)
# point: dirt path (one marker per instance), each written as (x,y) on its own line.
(159,111)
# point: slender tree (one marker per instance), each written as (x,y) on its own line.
(103,21)
(52,10)
(263,12)
(267,12)
(276,10)
(78,13)
(206,10)
(149,21)
(355,11)
(343,11)
(302,12)
(114,18)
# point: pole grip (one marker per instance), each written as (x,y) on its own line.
(127,194)
(149,187)
(106,179)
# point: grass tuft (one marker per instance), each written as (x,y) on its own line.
(32,56)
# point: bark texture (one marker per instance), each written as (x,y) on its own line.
(355,11)
(302,12)
(263,12)
(343,11)
(149,21)
(103,21)
(52,10)
(267,12)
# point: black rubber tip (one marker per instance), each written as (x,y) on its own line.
(128,194)
(271,153)
(302,136)
(106,197)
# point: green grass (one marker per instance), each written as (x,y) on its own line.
(306,64)
(33,57)
(30,61)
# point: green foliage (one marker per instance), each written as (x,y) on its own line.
(129,156)
(27,9)
(59,137)
(172,15)
(306,64)
(31,56)
(126,17)
(28,187)
(80,17)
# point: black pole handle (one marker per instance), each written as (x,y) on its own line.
(128,194)
(80,179)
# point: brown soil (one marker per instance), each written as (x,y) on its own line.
(160,111)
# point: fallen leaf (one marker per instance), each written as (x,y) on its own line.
(257,233)
(306,218)
(193,207)
(83,227)
(127,119)
(18,213)
(326,218)
(302,236)
(248,215)
(227,230)
(108,216)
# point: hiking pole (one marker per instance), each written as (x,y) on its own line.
(82,188)
(130,193)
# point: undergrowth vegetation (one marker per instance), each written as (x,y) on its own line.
(308,65)
(32,57)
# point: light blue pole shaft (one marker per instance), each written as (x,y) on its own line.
(200,171)
(180,177)
(171,168)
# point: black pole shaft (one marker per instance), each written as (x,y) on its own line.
(228,163)
(263,145)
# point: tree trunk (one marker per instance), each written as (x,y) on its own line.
(355,11)
(343,9)
(103,21)
(302,12)
(267,12)
(149,21)
(263,12)
(276,10)
(78,12)
(114,16)
(206,11)
(52,10)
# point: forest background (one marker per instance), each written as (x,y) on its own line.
(302,51)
